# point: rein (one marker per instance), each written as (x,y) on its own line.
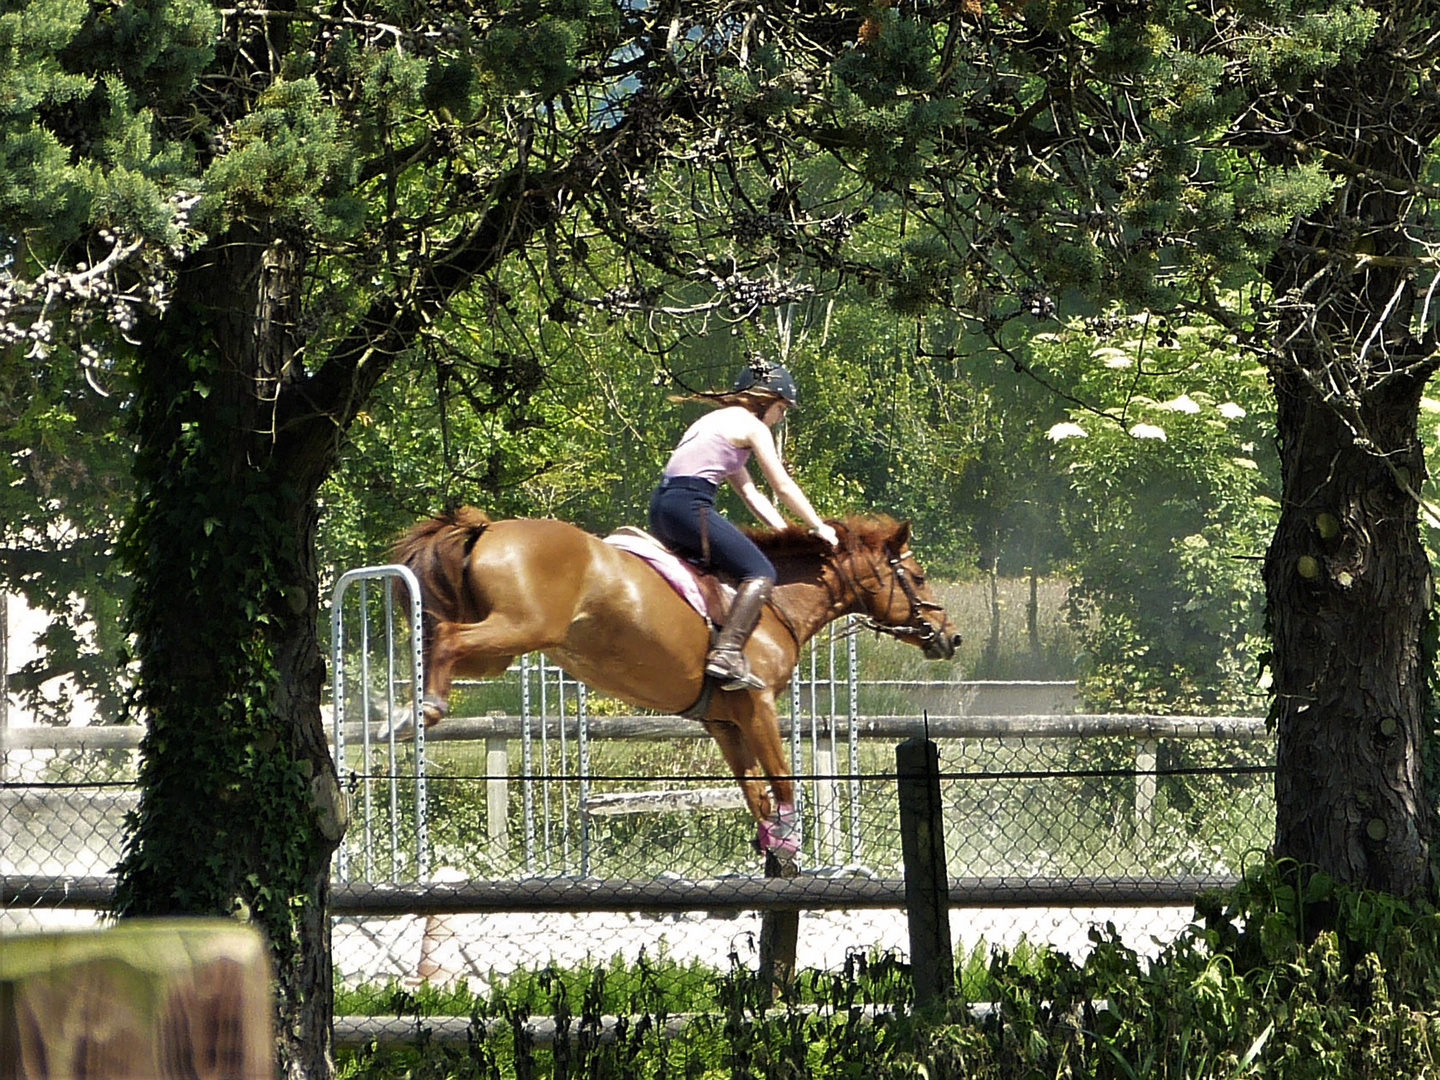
(785,621)
(921,629)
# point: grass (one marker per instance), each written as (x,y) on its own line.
(1249,988)
(734,1027)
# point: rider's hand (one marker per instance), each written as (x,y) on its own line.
(827,533)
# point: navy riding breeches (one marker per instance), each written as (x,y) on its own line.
(683,516)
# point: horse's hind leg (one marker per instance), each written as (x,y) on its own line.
(435,702)
(478,650)
(437,687)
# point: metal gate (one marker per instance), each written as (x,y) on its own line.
(377,666)
(376,796)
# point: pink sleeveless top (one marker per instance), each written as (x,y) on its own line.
(706,453)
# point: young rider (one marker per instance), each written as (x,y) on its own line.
(716,448)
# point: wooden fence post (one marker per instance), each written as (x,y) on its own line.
(1147,756)
(149,999)
(826,793)
(779,932)
(927,882)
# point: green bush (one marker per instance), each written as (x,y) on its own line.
(1288,976)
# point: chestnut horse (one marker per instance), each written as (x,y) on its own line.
(493,590)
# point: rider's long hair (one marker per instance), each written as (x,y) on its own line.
(755,401)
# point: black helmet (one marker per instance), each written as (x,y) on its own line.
(761,374)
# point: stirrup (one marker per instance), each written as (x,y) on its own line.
(736,676)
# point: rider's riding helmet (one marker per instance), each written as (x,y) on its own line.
(761,374)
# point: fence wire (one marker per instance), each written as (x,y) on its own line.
(1020,815)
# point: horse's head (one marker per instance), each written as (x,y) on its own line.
(875,560)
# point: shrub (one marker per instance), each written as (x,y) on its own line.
(1288,977)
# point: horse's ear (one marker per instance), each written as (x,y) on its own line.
(902,535)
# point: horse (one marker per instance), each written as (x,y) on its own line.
(495,589)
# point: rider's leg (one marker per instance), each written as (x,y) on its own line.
(736,552)
(726,660)
(682,514)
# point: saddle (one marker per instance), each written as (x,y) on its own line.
(704,592)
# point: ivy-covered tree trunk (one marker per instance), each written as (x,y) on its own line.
(240,809)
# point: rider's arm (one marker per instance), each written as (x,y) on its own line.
(762,444)
(755,499)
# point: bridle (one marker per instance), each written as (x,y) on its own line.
(916,627)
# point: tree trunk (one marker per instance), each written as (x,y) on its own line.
(1032,620)
(990,654)
(240,806)
(1347,581)
(1348,586)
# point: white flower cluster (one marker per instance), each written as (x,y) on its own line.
(130,277)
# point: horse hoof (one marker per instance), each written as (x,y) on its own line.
(404,731)
(433,709)
(779,835)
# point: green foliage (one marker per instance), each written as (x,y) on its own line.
(1170,504)
(901,57)
(828,1024)
(524,57)
(1255,988)
(285,155)
(919,274)
(1306,38)
(1252,988)
(62,448)
(159,49)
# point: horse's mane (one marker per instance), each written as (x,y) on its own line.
(435,550)
(798,554)
(868,531)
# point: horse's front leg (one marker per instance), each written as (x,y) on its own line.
(779,831)
(752,745)
(743,764)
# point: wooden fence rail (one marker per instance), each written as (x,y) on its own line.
(807,892)
(656,728)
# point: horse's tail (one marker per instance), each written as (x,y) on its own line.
(437,552)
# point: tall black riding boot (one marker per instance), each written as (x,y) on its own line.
(726,661)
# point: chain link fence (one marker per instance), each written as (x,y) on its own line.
(542,825)
(1046,836)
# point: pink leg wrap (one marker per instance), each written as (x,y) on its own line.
(780,832)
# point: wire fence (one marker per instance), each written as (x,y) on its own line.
(1046,836)
(542,825)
